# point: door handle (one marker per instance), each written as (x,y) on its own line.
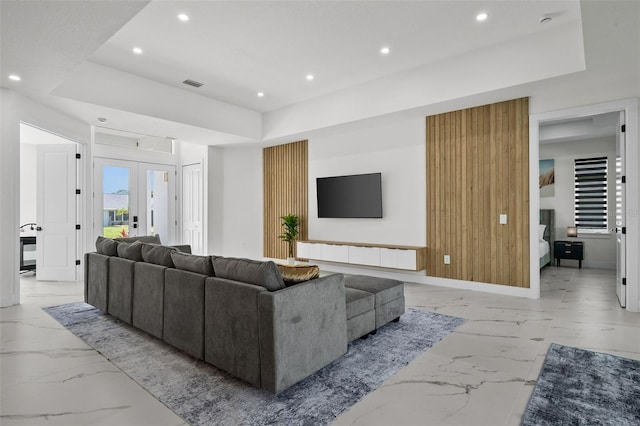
(38,228)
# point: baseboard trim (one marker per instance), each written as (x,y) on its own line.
(421,278)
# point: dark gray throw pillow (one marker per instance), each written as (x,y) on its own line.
(157,254)
(264,274)
(192,263)
(107,246)
(151,239)
(184,248)
(131,251)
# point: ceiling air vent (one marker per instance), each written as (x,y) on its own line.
(192,83)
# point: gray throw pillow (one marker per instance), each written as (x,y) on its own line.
(107,246)
(131,251)
(192,263)
(157,254)
(264,274)
(151,239)
(184,248)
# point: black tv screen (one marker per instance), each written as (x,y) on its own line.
(356,196)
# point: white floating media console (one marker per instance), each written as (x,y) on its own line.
(379,255)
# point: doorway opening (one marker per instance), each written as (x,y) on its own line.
(586,190)
(50,205)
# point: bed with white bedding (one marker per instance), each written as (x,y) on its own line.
(546,236)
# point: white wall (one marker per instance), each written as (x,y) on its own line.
(242,202)
(28,181)
(214,201)
(397,150)
(600,250)
(14,109)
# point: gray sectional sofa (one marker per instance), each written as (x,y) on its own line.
(236,314)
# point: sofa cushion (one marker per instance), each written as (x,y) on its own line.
(152,239)
(131,251)
(107,246)
(157,254)
(385,289)
(358,302)
(192,263)
(264,274)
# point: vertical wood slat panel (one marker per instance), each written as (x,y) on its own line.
(285,190)
(477,169)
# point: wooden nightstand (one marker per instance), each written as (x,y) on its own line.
(569,250)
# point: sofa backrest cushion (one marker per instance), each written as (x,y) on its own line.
(107,246)
(192,263)
(131,251)
(264,274)
(157,254)
(151,239)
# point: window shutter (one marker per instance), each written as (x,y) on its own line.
(590,193)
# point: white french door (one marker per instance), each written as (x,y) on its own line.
(134,198)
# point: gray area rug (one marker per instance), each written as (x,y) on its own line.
(581,387)
(204,395)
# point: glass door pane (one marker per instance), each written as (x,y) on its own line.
(133,199)
(157,196)
(156,186)
(115,201)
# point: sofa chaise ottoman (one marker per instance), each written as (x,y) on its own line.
(388,296)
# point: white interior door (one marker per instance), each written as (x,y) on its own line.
(192,196)
(621,252)
(133,199)
(56,213)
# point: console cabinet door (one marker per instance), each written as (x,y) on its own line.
(364,255)
(302,250)
(335,253)
(407,259)
(315,251)
(388,258)
(398,258)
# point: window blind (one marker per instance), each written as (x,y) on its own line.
(590,193)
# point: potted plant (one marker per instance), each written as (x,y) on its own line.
(290,224)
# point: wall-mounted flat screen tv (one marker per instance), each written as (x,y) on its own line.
(355,196)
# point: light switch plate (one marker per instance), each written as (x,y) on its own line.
(447,259)
(503,219)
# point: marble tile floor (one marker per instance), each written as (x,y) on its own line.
(481,374)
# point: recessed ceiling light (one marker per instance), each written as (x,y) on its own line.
(482,17)
(545,19)
(385,50)
(310,77)
(183,17)
(102,119)
(260,94)
(14,77)
(137,51)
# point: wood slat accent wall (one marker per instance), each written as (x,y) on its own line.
(477,169)
(285,191)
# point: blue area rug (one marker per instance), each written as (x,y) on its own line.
(204,395)
(581,387)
